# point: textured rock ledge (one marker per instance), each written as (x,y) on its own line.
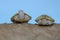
(29,32)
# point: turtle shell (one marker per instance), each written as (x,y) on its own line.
(44,17)
(16,19)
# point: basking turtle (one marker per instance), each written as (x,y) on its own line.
(20,17)
(44,20)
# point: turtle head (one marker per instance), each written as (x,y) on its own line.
(21,14)
(20,11)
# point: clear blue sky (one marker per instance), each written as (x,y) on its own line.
(34,8)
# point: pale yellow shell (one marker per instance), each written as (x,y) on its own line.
(45,17)
(44,20)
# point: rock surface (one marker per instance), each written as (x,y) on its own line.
(29,32)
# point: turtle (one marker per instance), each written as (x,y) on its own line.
(20,17)
(45,20)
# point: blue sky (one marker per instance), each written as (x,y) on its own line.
(34,8)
